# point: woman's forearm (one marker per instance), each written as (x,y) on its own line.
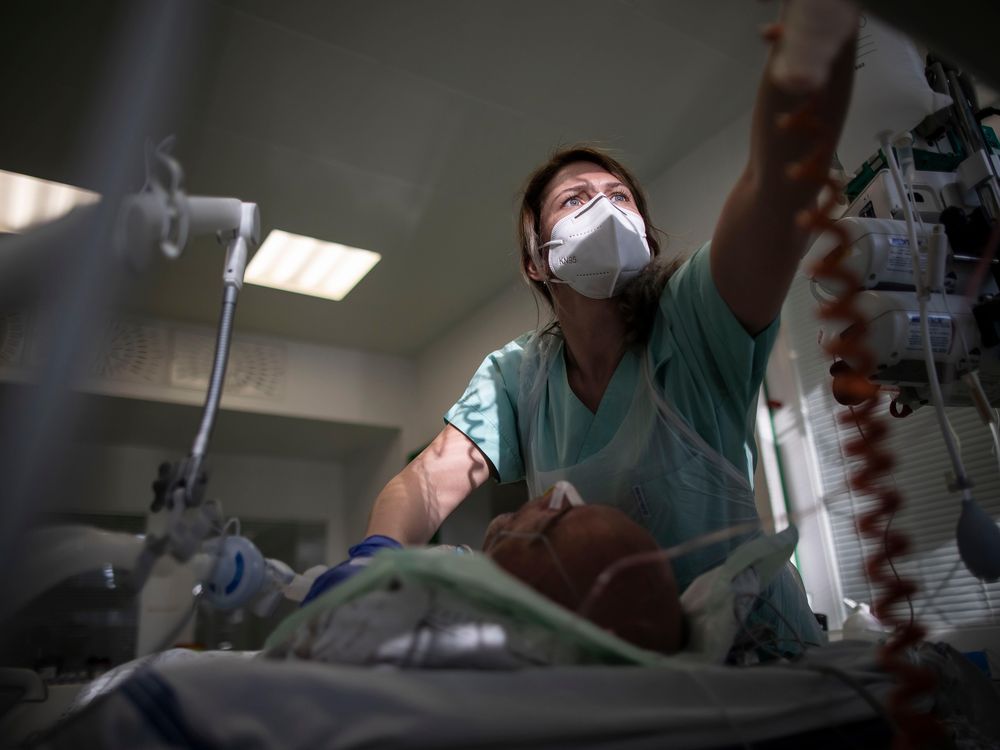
(413,504)
(404,510)
(758,243)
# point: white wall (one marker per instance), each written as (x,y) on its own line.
(364,477)
(686,200)
(445,367)
(443,371)
(319,382)
(117,479)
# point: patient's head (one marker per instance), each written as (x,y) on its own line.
(639,604)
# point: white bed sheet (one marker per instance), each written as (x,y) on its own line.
(264,703)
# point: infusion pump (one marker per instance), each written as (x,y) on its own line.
(963,310)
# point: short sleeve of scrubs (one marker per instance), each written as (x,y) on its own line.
(487,411)
(711,372)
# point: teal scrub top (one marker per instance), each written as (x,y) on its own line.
(705,363)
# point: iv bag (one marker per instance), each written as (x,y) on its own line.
(890,92)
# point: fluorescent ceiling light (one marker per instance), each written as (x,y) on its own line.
(25,200)
(305,265)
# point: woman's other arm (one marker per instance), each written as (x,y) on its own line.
(415,502)
(757,243)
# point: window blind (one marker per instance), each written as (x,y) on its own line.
(949,596)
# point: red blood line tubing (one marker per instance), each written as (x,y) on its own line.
(852,386)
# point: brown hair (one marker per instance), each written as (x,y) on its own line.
(638,299)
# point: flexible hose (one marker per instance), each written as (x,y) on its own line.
(915,729)
(215,385)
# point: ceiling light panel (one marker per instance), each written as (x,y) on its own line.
(305,265)
(26,201)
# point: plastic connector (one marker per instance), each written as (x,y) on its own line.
(238,574)
(239,246)
(974,171)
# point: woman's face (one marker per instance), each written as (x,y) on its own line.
(574,185)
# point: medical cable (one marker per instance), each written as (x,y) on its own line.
(892,565)
(877,708)
(901,168)
(714,699)
(904,151)
(803,644)
(888,527)
(230,528)
(923,293)
(985,261)
(914,728)
(770,646)
(661,556)
(855,685)
(699,542)
(988,191)
(934,594)
(800,663)
(167,641)
(665,412)
(420,627)
(538,536)
(989,415)
(684,548)
(977,534)
(979,398)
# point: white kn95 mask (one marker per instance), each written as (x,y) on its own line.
(598,248)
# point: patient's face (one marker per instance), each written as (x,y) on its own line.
(640,604)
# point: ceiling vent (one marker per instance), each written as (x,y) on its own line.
(131,351)
(255,369)
(13,333)
(148,352)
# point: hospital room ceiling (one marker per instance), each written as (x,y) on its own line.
(401,126)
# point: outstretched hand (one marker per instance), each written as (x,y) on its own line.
(807,39)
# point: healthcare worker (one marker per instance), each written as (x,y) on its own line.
(642,392)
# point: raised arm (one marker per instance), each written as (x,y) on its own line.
(415,502)
(757,243)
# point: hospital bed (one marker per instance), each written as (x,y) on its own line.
(412,654)
(588,692)
(264,703)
